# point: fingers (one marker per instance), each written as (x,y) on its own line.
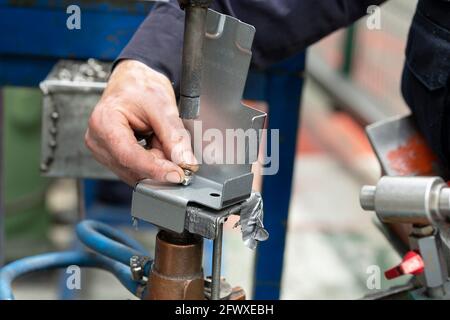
(116,147)
(139,98)
(156,107)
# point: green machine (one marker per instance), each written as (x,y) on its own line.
(26,217)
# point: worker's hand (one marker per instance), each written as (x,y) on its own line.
(139,100)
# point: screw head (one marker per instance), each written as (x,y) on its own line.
(188,176)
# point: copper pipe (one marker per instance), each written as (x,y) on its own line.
(177,272)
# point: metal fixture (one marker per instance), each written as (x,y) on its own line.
(216,186)
(434,277)
(177,269)
(425,203)
(417,200)
(411,194)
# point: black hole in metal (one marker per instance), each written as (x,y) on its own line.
(214,195)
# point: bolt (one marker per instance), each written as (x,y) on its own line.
(188,176)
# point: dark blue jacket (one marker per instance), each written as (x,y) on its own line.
(287,27)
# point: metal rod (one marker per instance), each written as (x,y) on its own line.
(217,264)
(2,188)
(191,73)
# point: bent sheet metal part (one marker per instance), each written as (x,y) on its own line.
(227,54)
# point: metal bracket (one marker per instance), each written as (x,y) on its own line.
(226,59)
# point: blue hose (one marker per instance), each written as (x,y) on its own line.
(108,241)
(62,260)
(113,250)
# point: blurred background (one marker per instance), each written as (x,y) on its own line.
(330,241)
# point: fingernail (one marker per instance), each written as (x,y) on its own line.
(173,177)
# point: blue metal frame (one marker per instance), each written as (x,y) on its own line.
(38,38)
(35,36)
